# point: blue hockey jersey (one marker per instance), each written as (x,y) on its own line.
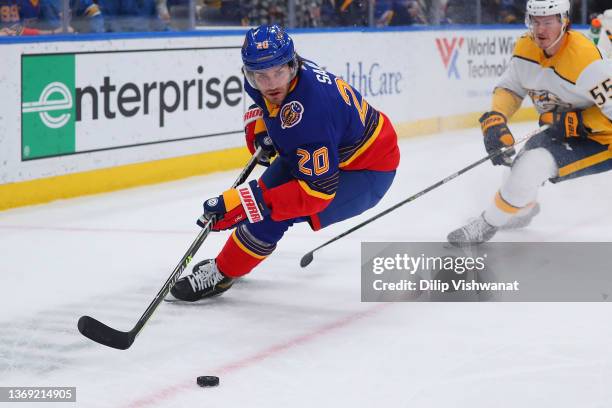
(322,127)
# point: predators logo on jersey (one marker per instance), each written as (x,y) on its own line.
(545,101)
(291,114)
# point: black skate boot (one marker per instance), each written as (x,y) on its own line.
(523,220)
(204,282)
(475,232)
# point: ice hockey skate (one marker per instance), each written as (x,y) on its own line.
(473,233)
(205,281)
(522,220)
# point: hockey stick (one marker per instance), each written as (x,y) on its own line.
(308,257)
(103,334)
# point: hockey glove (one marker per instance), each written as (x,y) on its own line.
(257,135)
(497,135)
(564,125)
(235,206)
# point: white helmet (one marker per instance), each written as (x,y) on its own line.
(548,7)
(541,8)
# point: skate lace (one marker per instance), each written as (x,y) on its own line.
(205,277)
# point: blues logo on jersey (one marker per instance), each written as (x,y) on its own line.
(291,114)
(324,126)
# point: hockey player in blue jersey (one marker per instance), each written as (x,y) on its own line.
(336,157)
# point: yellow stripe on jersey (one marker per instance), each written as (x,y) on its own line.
(506,102)
(584,163)
(244,248)
(272,108)
(598,125)
(293,84)
(367,144)
(260,126)
(315,193)
(576,53)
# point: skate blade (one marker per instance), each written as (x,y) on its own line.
(171,299)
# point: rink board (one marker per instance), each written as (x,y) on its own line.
(83,117)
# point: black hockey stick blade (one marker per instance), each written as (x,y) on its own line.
(101,333)
(306,259)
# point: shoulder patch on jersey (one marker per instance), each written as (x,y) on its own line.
(291,114)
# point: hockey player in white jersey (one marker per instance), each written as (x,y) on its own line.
(570,84)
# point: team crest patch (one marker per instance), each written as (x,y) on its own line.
(545,101)
(291,114)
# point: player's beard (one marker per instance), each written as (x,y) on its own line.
(276,95)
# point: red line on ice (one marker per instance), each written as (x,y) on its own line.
(169,392)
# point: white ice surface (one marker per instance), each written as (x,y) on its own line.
(291,337)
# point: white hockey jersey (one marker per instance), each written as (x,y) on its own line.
(605,37)
(576,77)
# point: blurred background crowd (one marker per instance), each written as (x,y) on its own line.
(35,17)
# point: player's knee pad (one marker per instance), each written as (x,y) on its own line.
(529,171)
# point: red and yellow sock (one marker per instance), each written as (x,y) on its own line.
(242,252)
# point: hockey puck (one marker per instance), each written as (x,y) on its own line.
(208,381)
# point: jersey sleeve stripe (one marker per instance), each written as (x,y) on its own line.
(304,185)
(366,145)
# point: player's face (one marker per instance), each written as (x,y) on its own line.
(273,83)
(546,30)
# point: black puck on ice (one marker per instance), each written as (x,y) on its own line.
(208,381)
